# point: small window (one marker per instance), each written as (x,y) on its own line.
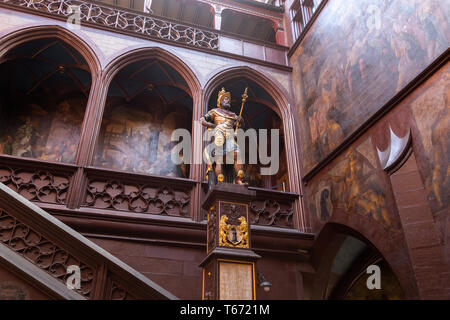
(301,12)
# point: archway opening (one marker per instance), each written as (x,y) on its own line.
(45,88)
(260,113)
(147,100)
(350,267)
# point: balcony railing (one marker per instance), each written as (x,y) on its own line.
(149,26)
(123,20)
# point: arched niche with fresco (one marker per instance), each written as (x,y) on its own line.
(147,100)
(260,112)
(45,88)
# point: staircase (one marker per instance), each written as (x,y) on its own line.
(42,255)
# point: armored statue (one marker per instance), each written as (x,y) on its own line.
(222,124)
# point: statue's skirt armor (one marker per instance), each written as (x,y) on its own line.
(223,143)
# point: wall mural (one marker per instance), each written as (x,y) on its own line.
(40,132)
(138,140)
(374,49)
(431,111)
(353,186)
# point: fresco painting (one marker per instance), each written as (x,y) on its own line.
(137,140)
(355,58)
(431,111)
(353,186)
(43,132)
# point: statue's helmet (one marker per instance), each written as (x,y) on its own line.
(221,95)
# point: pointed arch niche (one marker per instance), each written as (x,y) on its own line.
(45,85)
(260,112)
(146,101)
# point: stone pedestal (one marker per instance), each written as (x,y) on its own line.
(229,267)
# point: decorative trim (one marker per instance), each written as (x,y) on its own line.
(23,268)
(120,19)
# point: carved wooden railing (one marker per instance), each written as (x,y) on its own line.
(272,208)
(145,25)
(117,19)
(52,246)
(114,191)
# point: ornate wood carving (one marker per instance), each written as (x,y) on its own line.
(42,252)
(211,244)
(270,212)
(118,19)
(161,200)
(39,185)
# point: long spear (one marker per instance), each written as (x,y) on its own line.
(244,98)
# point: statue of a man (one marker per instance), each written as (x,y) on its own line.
(222,121)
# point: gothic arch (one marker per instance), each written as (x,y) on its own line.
(20,36)
(83,46)
(383,245)
(157,53)
(281,97)
(283,101)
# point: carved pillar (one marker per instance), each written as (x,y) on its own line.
(229,268)
(217,16)
(88,137)
(292,148)
(147,6)
(196,167)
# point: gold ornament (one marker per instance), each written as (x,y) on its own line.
(219,140)
(223,230)
(232,235)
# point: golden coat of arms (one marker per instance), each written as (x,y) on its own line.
(233,235)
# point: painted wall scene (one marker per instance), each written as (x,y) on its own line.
(352,185)
(431,110)
(356,57)
(46,86)
(259,112)
(147,101)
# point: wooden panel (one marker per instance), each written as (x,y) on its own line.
(235,281)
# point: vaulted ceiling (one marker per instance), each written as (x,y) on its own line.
(260,109)
(154,80)
(46,65)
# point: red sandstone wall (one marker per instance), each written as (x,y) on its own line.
(15,288)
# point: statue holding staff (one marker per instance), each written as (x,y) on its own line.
(223,125)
